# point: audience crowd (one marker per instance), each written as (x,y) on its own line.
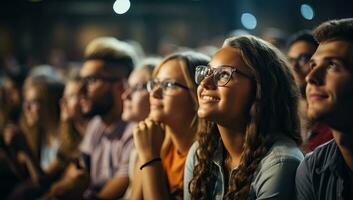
(247,120)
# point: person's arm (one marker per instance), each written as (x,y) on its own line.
(303,181)
(114,188)
(154,185)
(189,170)
(72,184)
(277,180)
(136,185)
(20,151)
(148,138)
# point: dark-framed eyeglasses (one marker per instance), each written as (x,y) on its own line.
(221,74)
(88,80)
(167,86)
(301,59)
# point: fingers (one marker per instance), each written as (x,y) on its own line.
(142,125)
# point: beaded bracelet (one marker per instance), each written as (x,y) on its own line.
(150,162)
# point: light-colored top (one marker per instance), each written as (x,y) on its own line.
(274,179)
(48,153)
(108,149)
(173,165)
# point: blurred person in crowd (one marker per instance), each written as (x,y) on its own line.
(136,109)
(136,98)
(36,141)
(11,97)
(10,111)
(301,47)
(249,148)
(107,143)
(327,172)
(72,129)
(163,140)
(41,112)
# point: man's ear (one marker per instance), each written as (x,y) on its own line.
(120,86)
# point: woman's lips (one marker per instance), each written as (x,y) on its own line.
(317,96)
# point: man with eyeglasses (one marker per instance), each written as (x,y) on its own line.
(301,47)
(107,143)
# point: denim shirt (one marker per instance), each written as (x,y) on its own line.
(274,178)
(322,173)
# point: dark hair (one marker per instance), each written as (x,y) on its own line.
(304,35)
(274,113)
(119,56)
(335,29)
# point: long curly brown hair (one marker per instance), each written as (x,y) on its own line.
(273,113)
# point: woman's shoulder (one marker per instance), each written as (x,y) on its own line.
(284,150)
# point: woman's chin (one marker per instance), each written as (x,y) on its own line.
(156,116)
(205,114)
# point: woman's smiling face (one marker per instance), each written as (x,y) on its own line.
(225,104)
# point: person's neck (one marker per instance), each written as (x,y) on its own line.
(181,135)
(344,141)
(233,140)
(112,116)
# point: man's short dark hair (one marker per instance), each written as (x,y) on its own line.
(119,56)
(304,35)
(341,29)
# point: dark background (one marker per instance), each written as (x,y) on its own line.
(31,31)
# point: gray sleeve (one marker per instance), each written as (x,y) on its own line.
(303,182)
(276,181)
(189,169)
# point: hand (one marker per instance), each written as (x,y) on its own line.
(148,139)
(14,137)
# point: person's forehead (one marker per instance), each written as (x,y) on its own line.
(336,48)
(301,46)
(93,67)
(139,75)
(170,70)
(31,93)
(71,87)
(231,57)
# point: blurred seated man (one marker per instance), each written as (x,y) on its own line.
(107,143)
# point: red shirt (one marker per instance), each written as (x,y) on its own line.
(320,134)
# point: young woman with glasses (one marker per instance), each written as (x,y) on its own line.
(248,149)
(172,122)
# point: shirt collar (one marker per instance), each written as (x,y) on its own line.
(217,157)
(114,130)
(334,161)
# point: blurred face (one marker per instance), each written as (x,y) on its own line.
(299,54)
(169,98)
(70,102)
(330,82)
(98,93)
(13,94)
(32,107)
(231,102)
(136,98)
